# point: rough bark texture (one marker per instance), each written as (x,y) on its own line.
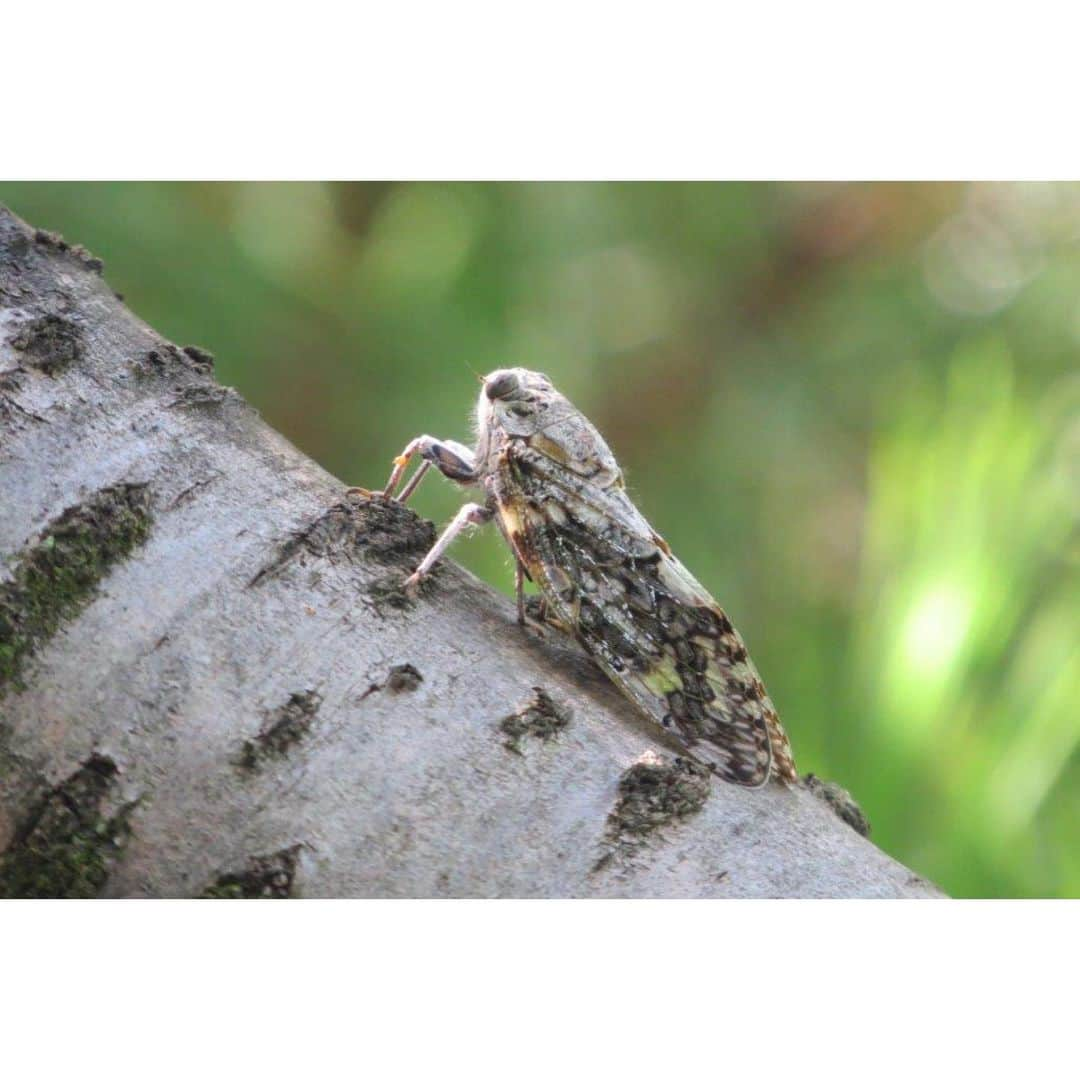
(212,684)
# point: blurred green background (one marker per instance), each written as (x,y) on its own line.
(853,410)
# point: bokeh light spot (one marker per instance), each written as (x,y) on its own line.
(935,629)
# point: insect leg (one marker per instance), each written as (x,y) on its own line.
(454,461)
(469,514)
(539,615)
(414,483)
(519,590)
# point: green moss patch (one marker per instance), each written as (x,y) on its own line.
(267,877)
(67,844)
(56,576)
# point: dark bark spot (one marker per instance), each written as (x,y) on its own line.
(403,678)
(204,396)
(50,343)
(378,528)
(166,358)
(839,801)
(541,718)
(286,726)
(389,532)
(653,793)
(199,357)
(53,240)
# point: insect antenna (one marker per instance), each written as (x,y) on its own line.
(479,377)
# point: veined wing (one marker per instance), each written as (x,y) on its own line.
(648,623)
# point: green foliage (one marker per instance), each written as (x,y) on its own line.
(853,411)
(965,627)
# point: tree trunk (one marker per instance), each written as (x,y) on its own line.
(211,682)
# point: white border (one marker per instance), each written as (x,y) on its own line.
(538,989)
(560,91)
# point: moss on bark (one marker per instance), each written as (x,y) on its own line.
(56,575)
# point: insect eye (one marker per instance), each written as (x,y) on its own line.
(502,386)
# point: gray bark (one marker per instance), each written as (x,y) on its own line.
(212,683)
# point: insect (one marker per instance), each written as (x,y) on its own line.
(605,575)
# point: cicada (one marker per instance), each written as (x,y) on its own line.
(605,576)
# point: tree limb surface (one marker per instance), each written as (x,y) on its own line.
(211,682)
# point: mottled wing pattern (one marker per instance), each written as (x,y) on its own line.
(639,612)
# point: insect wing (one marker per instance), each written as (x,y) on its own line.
(638,611)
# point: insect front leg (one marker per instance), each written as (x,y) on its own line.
(469,514)
(454,461)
